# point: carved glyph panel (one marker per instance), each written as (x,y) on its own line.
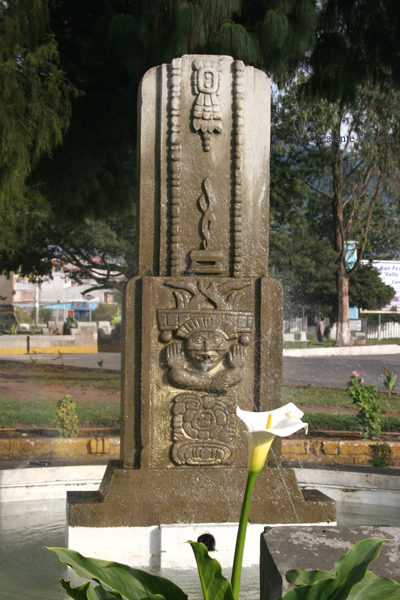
(207,81)
(207,337)
(204,428)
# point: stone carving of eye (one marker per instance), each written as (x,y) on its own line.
(197,339)
(217,339)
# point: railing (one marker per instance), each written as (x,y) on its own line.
(295,325)
(388,330)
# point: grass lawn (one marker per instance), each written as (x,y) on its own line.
(314,396)
(324,408)
(42,413)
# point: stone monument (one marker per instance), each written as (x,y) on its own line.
(203,322)
(7,310)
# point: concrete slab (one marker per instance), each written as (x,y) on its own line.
(347,351)
(164,546)
(285,548)
(20,485)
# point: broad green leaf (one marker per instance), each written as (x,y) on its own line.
(87,592)
(369,578)
(99,593)
(350,570)
(156,597)
(77,593)
(214,585)
(308,577)
(382,589)
(121,580)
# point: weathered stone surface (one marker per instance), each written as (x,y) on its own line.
(203,322)
(190,407)
(330,447)
(141,497)
(7,310)
(285,548)
(204,211)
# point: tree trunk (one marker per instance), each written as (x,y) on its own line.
(343,336)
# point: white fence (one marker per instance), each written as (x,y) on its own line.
(388,330)
(296,325)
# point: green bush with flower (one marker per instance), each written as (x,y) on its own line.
(350,580)
(366,398)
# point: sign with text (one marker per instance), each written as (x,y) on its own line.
(389,270)
(355,325)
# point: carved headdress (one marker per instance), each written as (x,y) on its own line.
(206,305)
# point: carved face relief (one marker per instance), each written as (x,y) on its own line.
(205,348)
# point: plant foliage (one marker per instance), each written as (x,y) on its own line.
(380,455)
(350,579)
(115,580)
(34,107)
(67,418)
(366,398)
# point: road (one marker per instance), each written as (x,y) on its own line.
(335,371)
(332,371)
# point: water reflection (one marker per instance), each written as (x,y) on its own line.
(26,569)
(352,513)
(29,571)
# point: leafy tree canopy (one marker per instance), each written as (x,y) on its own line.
(357,42)
(368,291)
(34,106)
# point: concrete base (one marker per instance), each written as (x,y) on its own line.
(313,548)
(356,487)
(344,351)
(148,497)
(19,485)
(164,546)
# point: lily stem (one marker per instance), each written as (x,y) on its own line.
(241,535)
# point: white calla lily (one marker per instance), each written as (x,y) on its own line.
(263,427)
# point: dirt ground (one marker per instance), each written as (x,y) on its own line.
(19,381)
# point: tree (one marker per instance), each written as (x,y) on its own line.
(348,155)
(368,291)
(357,44)
(105,48)
(98,250)
(34,107)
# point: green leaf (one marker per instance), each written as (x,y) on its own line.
(369,578)
(87,592)
(118,579)
(77,593)
(350,570)
(308,577)
(156,597)
(99,593)
(214,585)
(385,589)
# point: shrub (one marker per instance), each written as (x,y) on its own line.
(381,455)
(366,398)
(67,418)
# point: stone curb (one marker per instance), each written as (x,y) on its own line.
(339,452)
(59,448)
(347,351)
(324,451)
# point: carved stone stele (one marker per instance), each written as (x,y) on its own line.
(176,110)
(203,322)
